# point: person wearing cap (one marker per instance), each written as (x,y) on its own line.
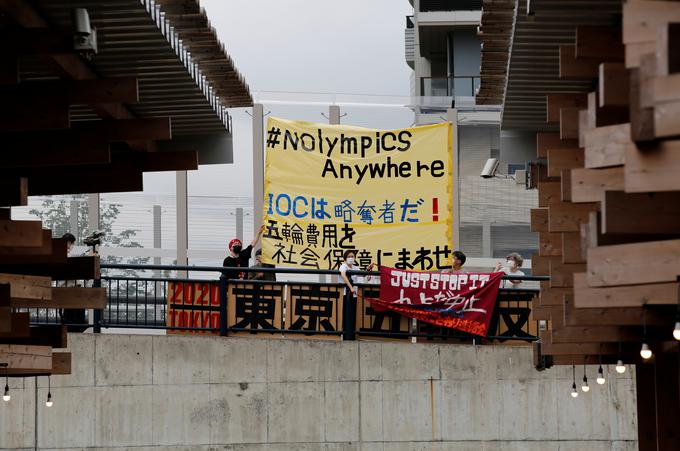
(239,257)
(268,276)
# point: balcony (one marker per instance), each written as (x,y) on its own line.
(448,86)
(409,41)
(138,297)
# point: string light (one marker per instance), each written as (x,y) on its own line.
(574,392)
(676,331)
(6,396)
(645,352)
(49,402)
(600,376)
(620,367)
(585,387)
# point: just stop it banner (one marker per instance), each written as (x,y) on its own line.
(384,193)
(458,301)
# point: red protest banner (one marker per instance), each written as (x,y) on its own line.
(458,301)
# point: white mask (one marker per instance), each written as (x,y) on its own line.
(510,263)
(350,260)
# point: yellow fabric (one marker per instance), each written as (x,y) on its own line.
(311,169)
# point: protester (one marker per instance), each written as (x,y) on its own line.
(269,276)
(70,241)
(511,267)
(458,262)
(239,257)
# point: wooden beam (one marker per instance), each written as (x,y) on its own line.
(570,67)
(666,124)
(668,49)
(572,251)
(605,146)
(624,296)
(561,274)
(72,92)
(635,263)
(76,268)
(21,233)
(14,191)
(561,159)
(539,219)
(549,244)
(71,181)
(623,316)
(15,324)
(602,116)
(599,42)
(667,400)
(553,296)
(98,153)
(587,185)
(545,141)
(53,252)
(641,19)
(28,287)
(666,88)
(540,265)
(37,115)
(567,217)
(65,298)
(555,102)
(569,123)
(565,180)
(54,336)
(26,357)
(61,365)
(641,213)
(595,334)
(641,119)
(654,168)
(549,193)
(613,85)
(634,53)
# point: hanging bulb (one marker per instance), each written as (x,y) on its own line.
(676,331)
(585,387)
(600,376)
(49,402)
(6,397)
(574,392)
(620,367)
(645,352)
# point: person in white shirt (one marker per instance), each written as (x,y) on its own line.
(511,267)
(349,264)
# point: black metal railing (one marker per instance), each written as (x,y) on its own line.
(209,303)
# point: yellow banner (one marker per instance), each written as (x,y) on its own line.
(384,193)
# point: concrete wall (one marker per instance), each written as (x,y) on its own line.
(209,393)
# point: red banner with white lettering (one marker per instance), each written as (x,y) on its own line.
(458,301)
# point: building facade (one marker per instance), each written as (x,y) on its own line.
(442,48)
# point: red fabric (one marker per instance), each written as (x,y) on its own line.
(234,242)
(457,301)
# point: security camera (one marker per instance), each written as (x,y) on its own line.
(490,168)
(84,34)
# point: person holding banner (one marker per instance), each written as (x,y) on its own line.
(511,267)
(239,257)
(458,262)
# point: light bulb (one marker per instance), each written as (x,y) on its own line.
(574,392)
(585,386)
(6,397)
(600,376)
(49,402)
(620,367)
(645,352)
(676,331)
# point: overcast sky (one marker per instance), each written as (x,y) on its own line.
(350,46)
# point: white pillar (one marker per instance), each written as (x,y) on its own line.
(181,195)
(157,235)
(333,119)
(92,213)
(258,167)
(452,116)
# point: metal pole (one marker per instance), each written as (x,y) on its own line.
(157,235)
(452,116)
(182,221)
(223,305)
(239,224)
(258,166)
(93,224)
(73,220)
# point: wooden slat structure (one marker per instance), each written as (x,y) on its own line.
(153,97)
(609,219)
